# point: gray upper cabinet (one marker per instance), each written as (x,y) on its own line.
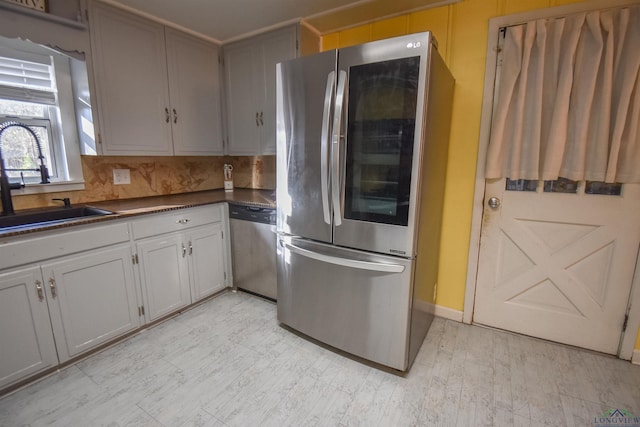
(194,89)
(250,77)
(157,90)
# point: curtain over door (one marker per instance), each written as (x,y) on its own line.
(569,99)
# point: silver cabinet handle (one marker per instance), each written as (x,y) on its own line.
(184,251)
(52,286)
(494,203)
(175,116)
(345,262)
(257,119)
(167,115)
(39,290)
(324,147)
(190,248)
(261,122)
(183,221)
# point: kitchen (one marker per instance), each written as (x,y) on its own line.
(457,28)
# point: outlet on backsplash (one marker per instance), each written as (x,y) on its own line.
(121,176)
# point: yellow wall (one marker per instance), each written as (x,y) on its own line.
(461,30)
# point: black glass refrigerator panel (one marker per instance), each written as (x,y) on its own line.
(380,136)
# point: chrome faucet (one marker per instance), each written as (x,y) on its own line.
(5,185)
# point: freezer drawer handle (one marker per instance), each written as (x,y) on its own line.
(352,263)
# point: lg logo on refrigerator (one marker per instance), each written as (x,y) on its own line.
(413,45)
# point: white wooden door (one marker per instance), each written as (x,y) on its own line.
(194,88)
(26,339)
(131,83)
(92,298)
(558,266)
(164,274)
(206,260)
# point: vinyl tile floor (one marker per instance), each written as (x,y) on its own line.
(228,363)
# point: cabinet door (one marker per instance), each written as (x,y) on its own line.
(250,71)
(92,298)
(131,83)
(242,96)
(194,89)
(26,339)
(277,47)
(206,260)
(164,274)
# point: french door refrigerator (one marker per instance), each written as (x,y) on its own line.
(362,137)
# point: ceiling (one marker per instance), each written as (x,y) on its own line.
(228,20)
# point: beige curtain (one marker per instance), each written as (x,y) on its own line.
(568,101)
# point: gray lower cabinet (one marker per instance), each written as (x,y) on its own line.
(92,299)
(68,291)
(164,274)
(181,256)
(71,304)
(25,330)
(206,261)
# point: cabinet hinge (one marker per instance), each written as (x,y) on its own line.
(225,275)
(624,324)
(219,60)
(134,259)
(222,234)
(99,138)
(141,311)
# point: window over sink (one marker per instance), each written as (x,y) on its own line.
(39,88)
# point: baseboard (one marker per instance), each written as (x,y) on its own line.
(635,357)
(448,313)
(440,311)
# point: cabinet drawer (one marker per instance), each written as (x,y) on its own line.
(183,219)
(19,251)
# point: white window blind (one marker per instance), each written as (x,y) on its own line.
(27,81)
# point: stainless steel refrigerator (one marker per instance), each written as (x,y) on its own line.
(362,137)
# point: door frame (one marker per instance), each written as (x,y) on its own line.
(628,338)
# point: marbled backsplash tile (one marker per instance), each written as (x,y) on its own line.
(154,176)
(257,172)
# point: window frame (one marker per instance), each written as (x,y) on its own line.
(66,166)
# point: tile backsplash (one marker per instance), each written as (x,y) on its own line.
(154,176)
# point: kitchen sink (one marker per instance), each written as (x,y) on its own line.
(48,216)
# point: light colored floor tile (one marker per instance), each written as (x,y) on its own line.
(228,363)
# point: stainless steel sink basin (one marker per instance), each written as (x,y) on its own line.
(43,217)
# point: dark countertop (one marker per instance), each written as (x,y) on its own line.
(126,208)
(262,198)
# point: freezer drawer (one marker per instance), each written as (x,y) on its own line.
(352,300)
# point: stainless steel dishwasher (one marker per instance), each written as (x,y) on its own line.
(253,249)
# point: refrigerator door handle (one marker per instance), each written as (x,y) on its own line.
(324,149)
(346,262)
(335,149)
